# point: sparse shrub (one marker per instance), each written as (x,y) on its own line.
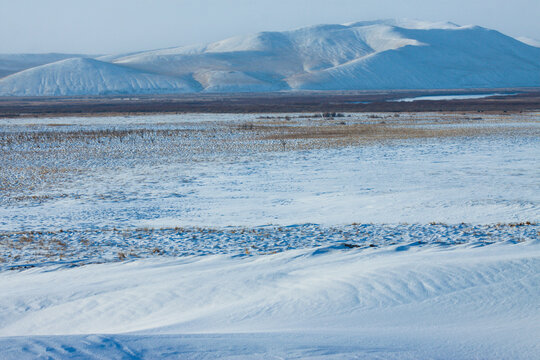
(247,126)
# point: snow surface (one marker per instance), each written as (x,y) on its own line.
(107,260)
(81,247)
(393,303)
(136,182)
(470,57)
(386,54)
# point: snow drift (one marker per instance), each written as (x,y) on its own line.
(384,54)
(461,302)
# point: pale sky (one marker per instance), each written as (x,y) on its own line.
(117,26)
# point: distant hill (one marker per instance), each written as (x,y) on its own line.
(386,54)
(81,76)
(13,63)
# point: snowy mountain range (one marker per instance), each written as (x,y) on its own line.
(387,54)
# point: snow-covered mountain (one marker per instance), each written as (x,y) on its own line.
(12,63)
(385,54)
(82,76)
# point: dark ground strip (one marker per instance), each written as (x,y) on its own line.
(340,101)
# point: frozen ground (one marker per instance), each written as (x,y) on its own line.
(72,247)
(270,236)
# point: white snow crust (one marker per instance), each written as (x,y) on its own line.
(394,303)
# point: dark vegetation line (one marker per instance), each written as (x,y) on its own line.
(524,100)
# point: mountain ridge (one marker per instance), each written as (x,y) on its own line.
(366,55)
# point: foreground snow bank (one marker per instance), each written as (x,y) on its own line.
(395,302)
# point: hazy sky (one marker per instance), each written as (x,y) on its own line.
(114,26)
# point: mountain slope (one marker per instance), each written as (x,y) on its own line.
(387,54)
(274,55)
(470,57)
(13,63)
(81,76)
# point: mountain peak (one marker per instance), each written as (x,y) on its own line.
(407,24)
(85,76)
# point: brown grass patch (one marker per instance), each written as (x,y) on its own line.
(377,132)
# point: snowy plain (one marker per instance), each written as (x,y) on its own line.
(255,236)
(214,175)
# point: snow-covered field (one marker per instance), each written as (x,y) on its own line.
(270,236)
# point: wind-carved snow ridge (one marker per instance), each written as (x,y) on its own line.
(384,54)
(422,304)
